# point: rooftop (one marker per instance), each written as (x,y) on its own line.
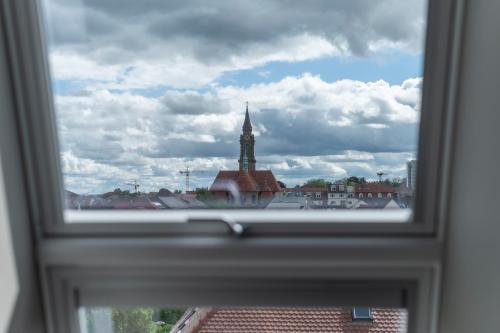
(289,320)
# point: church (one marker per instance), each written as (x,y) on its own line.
(247,186)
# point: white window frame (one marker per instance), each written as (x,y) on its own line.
(325,258)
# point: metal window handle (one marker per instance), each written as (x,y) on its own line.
(234,228)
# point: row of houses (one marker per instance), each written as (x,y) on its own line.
(258,189)
(340,195)
(164,199)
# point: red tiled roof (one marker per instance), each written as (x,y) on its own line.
(374,188)
(294,320)
(312,189)
(245,181)
(266,187)
(266,177)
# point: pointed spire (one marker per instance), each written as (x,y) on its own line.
(247,125)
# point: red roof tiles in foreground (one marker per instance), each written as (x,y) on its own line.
(290,320)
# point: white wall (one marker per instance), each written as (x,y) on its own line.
(9,286)
(471,285)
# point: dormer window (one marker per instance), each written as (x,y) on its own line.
(361,315)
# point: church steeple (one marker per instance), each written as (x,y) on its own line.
(247,143)
(247,125)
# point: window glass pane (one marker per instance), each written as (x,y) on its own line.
(237,104)
(235,320)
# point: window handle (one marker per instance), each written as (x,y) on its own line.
(235,229)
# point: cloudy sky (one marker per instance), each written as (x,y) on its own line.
(144,89)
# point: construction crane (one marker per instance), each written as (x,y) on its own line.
(187,173)
(380,174)
(135,185)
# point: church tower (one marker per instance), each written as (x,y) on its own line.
(247,143)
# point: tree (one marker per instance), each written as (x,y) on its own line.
(177,192)
(140,320)
(353,180)
(170,317)
(317,182)
(396,182)
(203,194)
(134,320)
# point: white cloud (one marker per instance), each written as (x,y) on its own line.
(71,66)
(343,102)
(264,74)
(115,137)
(190,44)
(178,71)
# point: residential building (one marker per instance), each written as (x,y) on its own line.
(288,201)
(316,196)
(411,174)
(341,195)
(380,203)
(375,190)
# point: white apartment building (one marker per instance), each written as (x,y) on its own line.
(341,195)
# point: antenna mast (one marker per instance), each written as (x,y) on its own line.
(135,184)
(186,172)
(380,174)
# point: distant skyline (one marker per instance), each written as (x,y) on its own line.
(145,90)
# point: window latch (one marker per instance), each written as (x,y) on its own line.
(235,229)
